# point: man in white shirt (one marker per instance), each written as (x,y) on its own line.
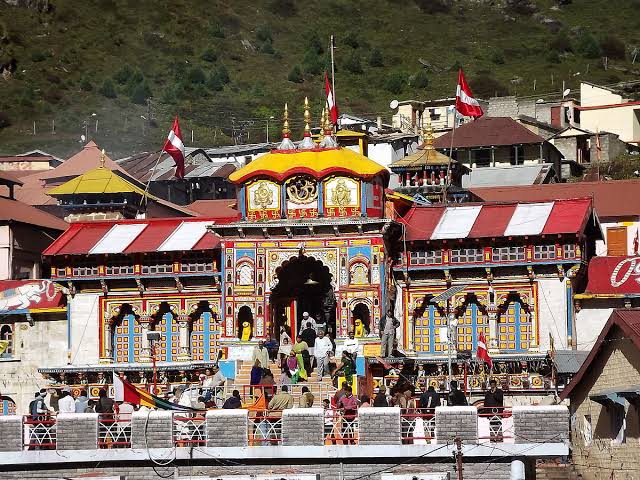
(351,345)
(323,348)
(66,403)
(261,353)
(306,318)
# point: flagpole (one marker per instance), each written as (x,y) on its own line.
(446,180)
(146,188)
(333,78)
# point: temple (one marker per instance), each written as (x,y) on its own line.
(319,231)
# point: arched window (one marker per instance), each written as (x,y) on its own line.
(6,337)
(359,274)
(244,274)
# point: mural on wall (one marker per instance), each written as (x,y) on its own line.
(302,197)
(263,200)
(20,296)
(342,197)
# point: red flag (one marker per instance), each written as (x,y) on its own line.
(465,103)
(333,108)
(481,351)
(174,147)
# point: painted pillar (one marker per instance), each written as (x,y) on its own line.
(107,342)
(145,347)
(570,312)
(184,350)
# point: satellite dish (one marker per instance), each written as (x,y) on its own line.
(566,92)
(82,138)
(393,105)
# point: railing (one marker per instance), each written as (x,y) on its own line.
(190,429)
(341,427)
(495,425)
(114,430)
(265,427)
(418,425)
(39,432)
(250,393)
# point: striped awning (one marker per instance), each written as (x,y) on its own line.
(497,220)
(135,236)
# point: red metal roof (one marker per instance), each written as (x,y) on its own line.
(497,220)
(488,132)
(16,211)
(135,236)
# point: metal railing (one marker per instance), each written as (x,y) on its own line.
(265,427)
(418,425)
(341,427)
(39,432)
(250,393)
(114,430)
(190,429)
(495,425)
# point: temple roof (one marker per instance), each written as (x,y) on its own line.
(280,164)
(99,180)
(424,156)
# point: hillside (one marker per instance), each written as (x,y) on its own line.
(221,64)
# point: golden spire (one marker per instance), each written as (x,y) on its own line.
(307,118)
(322,126)
(327,124)
(285,127)
(427,134)
(102,155)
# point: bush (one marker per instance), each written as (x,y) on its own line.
(4,120)
(215,30)
(312,63)
(295,75)
(561,43)
(108,89)
(420,79)
(497,57)
(376,59)
(168,96)
(613,47)
(312,43)
(85,85)
(263,33)
(223,74)
(434,6)
(267,47)
(140,93)
(352,40)
(394,83)
(123,75)
(352,64)
(588,46)
(209,55)
(553,57)
(196,76)
(284,8)
(38,56)
(485,85)
(218,79)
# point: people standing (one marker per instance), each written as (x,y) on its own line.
(430,399)
(105,404)
(494,406)
(351,345)
(323,351)
(256,372)
(388,326)
(281,400)
(271,344)
(306,399)
(301,349)
(82,402)
(456,398)
(306,319)
(66,403)
(348,403)
(329,417)
(261,353)
(380,399)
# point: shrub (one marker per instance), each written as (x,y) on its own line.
(497,57)
(351,39)
(108,89)
(215,30)
(352,64)
(561,43)
(267,47)
(263,33)
(295,75)
(4,120)
(214,83)
(394,82)
(375,59)
(38,56)
(85,85)
(284,8)
(140,93)
(434,6)
(168,96)
(553,57)
(588,46)
(420,79)
(486,85)
(312,43)
(196,76)
(312,63)
(209,55)
(613,47)
(223,74)
(123,75)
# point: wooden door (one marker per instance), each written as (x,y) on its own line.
(616,241)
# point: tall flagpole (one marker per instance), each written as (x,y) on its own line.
(333,77)
(446,180)
(146,188)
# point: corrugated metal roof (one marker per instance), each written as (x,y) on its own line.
(570,361)
(488,132)
(506,176)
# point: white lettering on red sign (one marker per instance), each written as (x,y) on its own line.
(624,270)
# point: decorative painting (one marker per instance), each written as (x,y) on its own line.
(263,200)
(342,197)
(302,197)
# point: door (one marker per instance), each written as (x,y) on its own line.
(616,241)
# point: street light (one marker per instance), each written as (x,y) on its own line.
(95,115)
(270,118)
(145,119)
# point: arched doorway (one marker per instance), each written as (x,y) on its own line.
(245,323)
(304,285)
(361,316)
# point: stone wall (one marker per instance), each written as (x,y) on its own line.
(77,431)
(452,422)
(151,429)
(234,424)
(541,424)
(379,426)
(303,426)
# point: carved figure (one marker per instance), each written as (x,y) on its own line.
(341,194)
(263,197)
(246,331)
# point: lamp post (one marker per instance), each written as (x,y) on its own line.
(144,119)
(269,118)
(154,337)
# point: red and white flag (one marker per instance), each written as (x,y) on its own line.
(465,103)
(174,147)
(481,351)
(333,108)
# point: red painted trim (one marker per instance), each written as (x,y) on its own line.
(308,171)
(612,105)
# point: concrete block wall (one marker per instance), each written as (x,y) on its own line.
(11,433)
(379,426)
(152,429)
(454,422)
(303,426)
(77,431)
(227,428)
(540,424)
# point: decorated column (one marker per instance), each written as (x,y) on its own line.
(145,347)
(184,354)
(107,342)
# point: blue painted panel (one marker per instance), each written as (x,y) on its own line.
(228,368)
(360,365)
(245,252)
(360,249)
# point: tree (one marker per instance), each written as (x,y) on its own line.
(352,64)
(295,75)
(223,74)
(284,8)
(140,93)
(434,6)
(485,85)
(613,47)
(312,43)
(209,55)
(196,76)
(108,89)
(85,84)
(267,47)
(561,43)
(498,57)
(420,79)
(394,82)
(375,58)
(263,33)
(312,63)
(351,39)
(588,45)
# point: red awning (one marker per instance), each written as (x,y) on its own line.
(567,216)
(614,276)
(30,296)
(492,221)
(421,222)
(78,239)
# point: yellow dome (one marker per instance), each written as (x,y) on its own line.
(320,162)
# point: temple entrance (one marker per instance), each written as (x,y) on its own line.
(304,285)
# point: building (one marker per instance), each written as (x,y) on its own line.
(27,163)
(603,109)
(604,401)
(413,116)
(498,142)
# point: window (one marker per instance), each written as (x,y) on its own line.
(467,255)
(587,433)
(617,241)
(517,155)
(122,266)
(244,274)
(6,339)
(425,257)
(85,269)
(483,157)
(61,272)
(618,424)
(569,250)
(155,264)
(196,264)
(507,254)
(544,252)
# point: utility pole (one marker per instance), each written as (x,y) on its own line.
(458,455)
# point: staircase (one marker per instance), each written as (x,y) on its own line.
(556,471)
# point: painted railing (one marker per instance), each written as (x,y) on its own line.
(114,430)
(495,425)
(418,425)
(189,429)
(341,427)
(39,432)
(265,427)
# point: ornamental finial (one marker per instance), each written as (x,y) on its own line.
(285,128)
(307,118)
(428,136)
(102,155)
